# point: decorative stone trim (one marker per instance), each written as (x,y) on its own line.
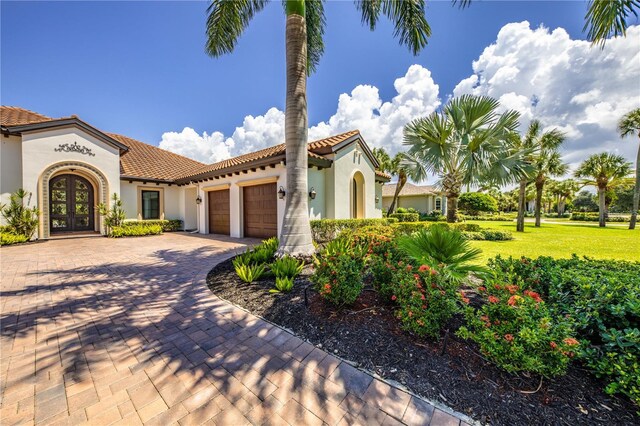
(96,176)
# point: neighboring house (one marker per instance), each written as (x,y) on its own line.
(70,167)
(424,198)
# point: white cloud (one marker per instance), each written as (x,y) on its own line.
(380,122)
(564,83)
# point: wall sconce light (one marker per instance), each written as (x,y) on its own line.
(198,200)
(281,193)
(313,193)
(377,199)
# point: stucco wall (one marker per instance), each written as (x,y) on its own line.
(422,203)
(379,206)
(10,168)
(316,180)
(190,208)
(173,199)
(39,155)
(346,162)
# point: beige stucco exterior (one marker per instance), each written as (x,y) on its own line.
(422,203)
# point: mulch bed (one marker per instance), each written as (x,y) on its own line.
(369,335)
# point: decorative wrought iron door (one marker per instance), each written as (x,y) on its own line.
(71,204)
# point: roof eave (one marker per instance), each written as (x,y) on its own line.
(147,179)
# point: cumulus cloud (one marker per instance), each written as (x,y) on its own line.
(565,83)
(380,122)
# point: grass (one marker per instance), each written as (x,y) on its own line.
(560,240)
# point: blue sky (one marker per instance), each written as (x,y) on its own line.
(139,68)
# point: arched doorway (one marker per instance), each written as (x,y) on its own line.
(357,196)
(71,204)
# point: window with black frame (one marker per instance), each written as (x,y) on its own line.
(150,205)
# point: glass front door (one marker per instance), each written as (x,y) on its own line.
(71,204)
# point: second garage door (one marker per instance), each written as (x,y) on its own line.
(260,211)
(219,216)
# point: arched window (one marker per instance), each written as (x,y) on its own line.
(357,196)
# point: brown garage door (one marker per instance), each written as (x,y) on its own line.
(260,211)
(219,212)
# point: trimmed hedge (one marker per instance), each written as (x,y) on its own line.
(167,225)
(405,217)
(324,230)
(8,238)
(135,230)
(595,217)
(488,218)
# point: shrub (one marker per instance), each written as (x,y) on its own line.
(341,245)
(489,218)
(595,217)
(475,236)
(136,230)
(384,271)
(405,217)
(283,285)
(476,202)
(467,227)
(433,216)
(494,235)
(407,228)
(325,230)
(444,250)
(338,279)
(8,238)
(286,267)
(401,210)
(250,273)
(270,244)
(21,220)
(373,239)
(167,225)
(516,331)
(112,216)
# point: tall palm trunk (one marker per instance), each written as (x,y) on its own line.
(601,204)
(522,194)
(451,184)
(452,207)
(402,180)
(539,188)
(636,193)
(295,238)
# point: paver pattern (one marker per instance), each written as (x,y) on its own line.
(101,331)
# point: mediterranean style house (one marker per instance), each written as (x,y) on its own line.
(424,199)
(69,167)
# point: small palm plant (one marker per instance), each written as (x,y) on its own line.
(20,218)
(114,215)
(627,126)
(446,251)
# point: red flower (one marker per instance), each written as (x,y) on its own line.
(513,300)
(464,298)
(553,345)
(571,341)
(532,294)
(434,272)
(484,318)
(393,297)
(409,267)
(508,337)
(512,288)
(482,288)
(493,299)
(423,268)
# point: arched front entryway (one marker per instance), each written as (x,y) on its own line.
(357,196)
(69,195)
(71,204)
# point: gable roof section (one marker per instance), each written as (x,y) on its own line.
(15,116)
(409,189)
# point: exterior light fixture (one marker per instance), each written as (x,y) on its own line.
(281,193)
(377,199)
(198,200)
(313,193)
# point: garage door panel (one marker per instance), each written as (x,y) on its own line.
(260,211)
(219,212)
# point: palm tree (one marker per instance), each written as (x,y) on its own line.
(542,154)
(564,191)
(603,170)
(630,125)
(467,143)
(606,18)
(305,25)
(402,166)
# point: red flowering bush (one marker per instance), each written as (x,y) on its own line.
(516,330)
(338,278)
(374,240)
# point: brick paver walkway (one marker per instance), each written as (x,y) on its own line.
(104,331)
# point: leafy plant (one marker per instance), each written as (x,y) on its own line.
(337,247)
(20,219)
(167,225)
(283,285)
(114,215)
(137,230)
(475,202)
(250,273)
(495,235)
(338,278)
(405,217)
(444,250)
(270,244)
(516,330)
(8,238)
(286,267)
(325,230)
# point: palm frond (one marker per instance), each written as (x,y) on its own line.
(410,25)
(606,18)
(629,124)
(316,24)
(226,21)
(370,10)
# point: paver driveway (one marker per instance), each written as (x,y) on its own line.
(104,331)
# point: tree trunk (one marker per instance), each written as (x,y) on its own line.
(521,206)
(295,238)
(601,191)
(560,207)
(402,180)
(539,188)
(452,207)
(636,193)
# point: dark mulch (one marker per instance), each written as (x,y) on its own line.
(368,334)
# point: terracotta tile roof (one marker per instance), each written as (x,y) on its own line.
(15,116)
(148,161)
(383,175)
(270,152)
(409,189)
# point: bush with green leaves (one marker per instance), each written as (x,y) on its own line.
(496,235)
(114,215)
(467,227)
(286,267)
(405,217)
(137,230)
(474,203)
(338,279)
(517,331)
(250,273)
(20,219)
(447,251)
(373,239)
(283,285)
(168,225)
(489,218)
(8,238)
(406,228)
(324,230)
(594,217)
(341,245)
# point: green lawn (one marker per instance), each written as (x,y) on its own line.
(556,240)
